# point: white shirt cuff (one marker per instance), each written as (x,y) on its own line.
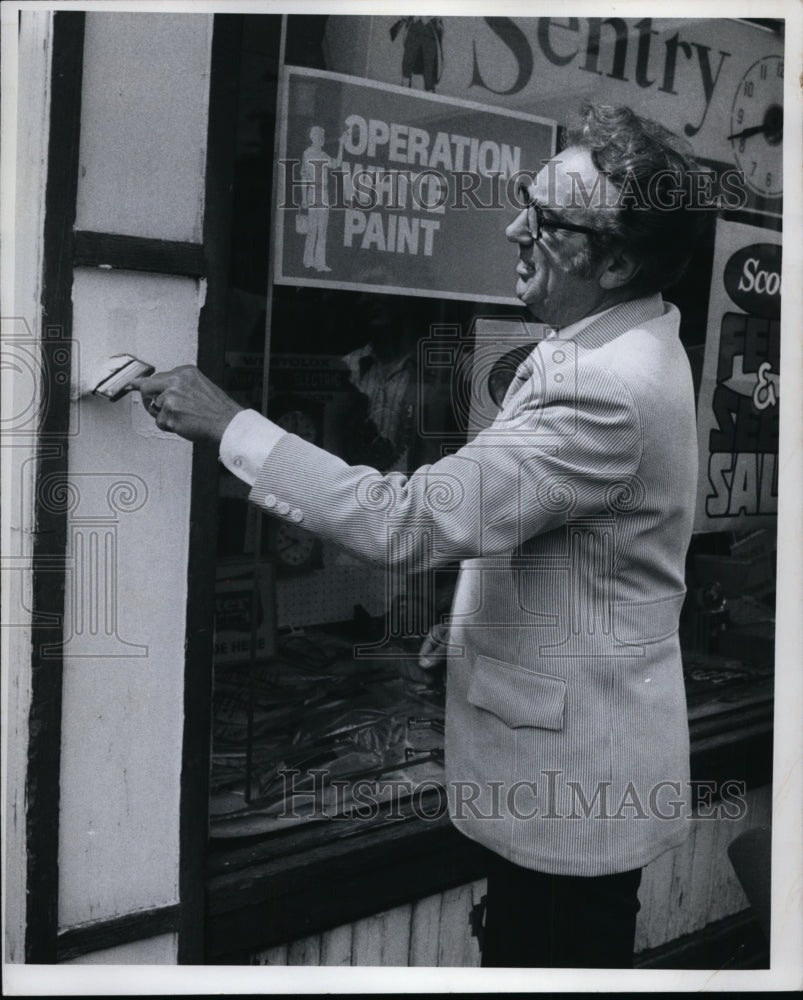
(246,443)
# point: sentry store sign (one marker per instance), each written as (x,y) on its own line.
(382,188)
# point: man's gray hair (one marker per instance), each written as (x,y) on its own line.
(663,212)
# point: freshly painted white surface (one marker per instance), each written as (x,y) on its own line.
(21,246)
(143,124)
(142,156)
(122,714)
(160,950)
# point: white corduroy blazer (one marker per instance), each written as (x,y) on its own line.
(566,726)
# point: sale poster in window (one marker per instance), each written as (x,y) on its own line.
(738,417)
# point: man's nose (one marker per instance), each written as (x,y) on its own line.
(518,231)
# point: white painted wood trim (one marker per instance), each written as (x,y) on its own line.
(25,116)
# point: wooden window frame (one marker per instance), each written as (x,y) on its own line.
(65,249)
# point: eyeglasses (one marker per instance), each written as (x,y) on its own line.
(536,223)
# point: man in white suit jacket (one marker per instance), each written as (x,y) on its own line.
(566,730)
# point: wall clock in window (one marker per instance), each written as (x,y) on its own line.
(756,127)
(296,550)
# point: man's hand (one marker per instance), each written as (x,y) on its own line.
(433,649)
(185,402)
(431,658)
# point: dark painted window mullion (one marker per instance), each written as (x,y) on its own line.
(138,253)
(52,494)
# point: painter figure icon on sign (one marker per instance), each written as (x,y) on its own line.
(313,222)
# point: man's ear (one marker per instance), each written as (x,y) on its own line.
(622,267)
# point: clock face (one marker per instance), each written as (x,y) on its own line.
(757,126)
(297,551)
(294,546)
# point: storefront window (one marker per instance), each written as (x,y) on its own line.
(316,711)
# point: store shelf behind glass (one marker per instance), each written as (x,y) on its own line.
(315,733)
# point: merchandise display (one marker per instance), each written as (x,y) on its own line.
(315,733)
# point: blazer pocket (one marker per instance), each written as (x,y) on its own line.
(641,622)
(518,697)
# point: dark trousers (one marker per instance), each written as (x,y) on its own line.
(534,920)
